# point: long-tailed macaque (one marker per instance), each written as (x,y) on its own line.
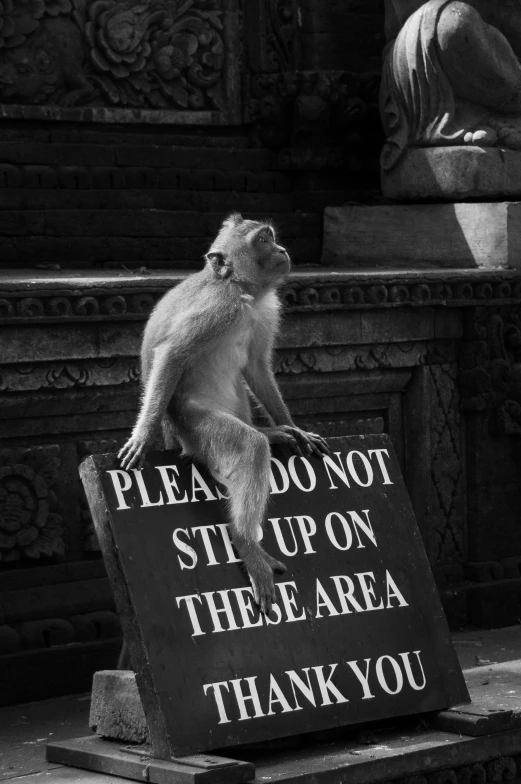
(207,345)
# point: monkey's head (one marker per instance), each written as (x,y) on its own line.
(247,251)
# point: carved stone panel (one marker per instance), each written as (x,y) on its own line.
(435,462)
(31,527)
(164,60)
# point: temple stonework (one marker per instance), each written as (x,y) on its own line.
(127,131)
(451,79)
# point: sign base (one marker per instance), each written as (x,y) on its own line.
(109,757)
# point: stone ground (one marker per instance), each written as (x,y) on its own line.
(26,729)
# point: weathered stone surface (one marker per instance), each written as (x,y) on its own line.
(116,711)
(454,174)
(131,57)
(428,356)
(451,76)
(435,235)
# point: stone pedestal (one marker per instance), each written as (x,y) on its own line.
(454,174)
(412,236)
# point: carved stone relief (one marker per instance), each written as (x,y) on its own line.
(490,367)
(155,54)
(30,526)
(334,359)
(448,537)
(66,375)
(317,119)
(271,35)
(451,77)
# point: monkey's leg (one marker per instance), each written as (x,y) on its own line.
(239,456)
(169,434)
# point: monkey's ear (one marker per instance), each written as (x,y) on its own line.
(217,261)
(234,219)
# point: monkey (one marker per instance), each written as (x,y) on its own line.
(207,347)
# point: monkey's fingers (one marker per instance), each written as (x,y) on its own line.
(255,590)
(277,566)
(132,456)
(312,448)
(319,443)
(313,442)
(123,451)
(265,605)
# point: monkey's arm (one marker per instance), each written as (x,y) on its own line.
(260,378)
(168,365)
(194,323)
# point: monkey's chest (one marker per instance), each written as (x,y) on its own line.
(239,347)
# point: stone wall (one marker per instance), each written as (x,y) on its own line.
(111,183)
(431,359)
(126,148)
(342,34)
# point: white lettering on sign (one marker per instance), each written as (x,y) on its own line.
(340,532)
(232,609)
(122,482)
(314,687)
(362,474)
(350,538)
(283,531)
(204,534)
(170,484)
(362,468)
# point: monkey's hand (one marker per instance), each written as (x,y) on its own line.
(299,440)
(260,567)
(133,453)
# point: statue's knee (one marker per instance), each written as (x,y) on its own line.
(458,24)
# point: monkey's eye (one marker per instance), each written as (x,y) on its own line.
(262,239)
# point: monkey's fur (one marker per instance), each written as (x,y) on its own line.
(204,339)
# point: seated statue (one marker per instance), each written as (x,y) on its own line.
(452,75)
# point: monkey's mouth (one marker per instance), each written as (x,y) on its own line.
(283,262)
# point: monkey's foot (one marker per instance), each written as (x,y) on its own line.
(260,567)
(299,440)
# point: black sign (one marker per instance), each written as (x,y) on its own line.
(358,632)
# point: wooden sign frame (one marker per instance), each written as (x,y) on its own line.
(451,683)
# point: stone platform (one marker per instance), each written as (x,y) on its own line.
(429,356)
(26,729)
(456,173)
(414,236)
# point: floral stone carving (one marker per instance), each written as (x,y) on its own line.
(29,524)
(451,78)
(159,54)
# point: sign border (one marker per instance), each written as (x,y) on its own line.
(162,743)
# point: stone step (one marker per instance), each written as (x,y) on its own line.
(108,251)
(138,223)
(404,755)
(155,156)
(179,200)
(83,177)
(473,743)
(135,199)
(61,133)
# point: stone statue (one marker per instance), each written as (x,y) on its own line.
(452,77)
